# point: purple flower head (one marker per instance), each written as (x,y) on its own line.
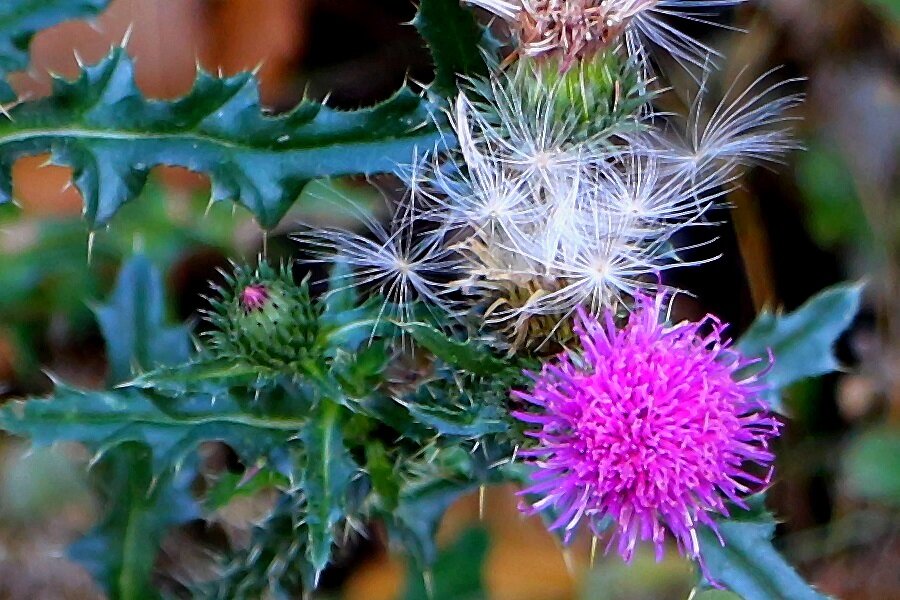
(254,297)
(649,428)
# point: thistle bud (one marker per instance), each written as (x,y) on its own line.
(263,318)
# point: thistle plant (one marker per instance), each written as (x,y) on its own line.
(508,321)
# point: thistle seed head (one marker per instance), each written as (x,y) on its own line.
(570,29)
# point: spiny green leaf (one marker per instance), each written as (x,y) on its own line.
(111,136)
(360,373)
(203,373)
(473,421)
(263,395)
(329,470)
(350,330)
(21,19)
(416,519)
(802,341)
(121,550)
(466,356)
(133,323)
(456,41)
(748,564)
(171,428)
(457,414)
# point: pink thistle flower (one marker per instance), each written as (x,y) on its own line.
(254,297)
(651,428)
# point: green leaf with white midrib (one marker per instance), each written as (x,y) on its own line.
(111,136)
(120,550)
(105,420)
(326,478)
(468,356)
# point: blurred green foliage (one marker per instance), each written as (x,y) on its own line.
(54,268)
(33,482)
(643,579)
(835,216)
(890,8)
(872,466)
(456,575)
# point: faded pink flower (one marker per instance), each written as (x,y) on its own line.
(578,28)
(650,428)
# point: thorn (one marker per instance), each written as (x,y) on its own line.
(481,490)
(5,108)
(428,580)
(250,473)
(593,550)
(569,559)
(154,482)
(90,246)
(95,459)
(127,37)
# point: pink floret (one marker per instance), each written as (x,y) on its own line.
(254,297)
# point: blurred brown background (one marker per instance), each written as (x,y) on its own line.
(827,215)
